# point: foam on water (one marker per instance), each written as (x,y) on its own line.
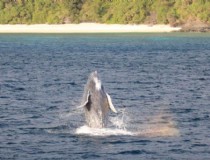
(159,123)
(85,130)
(156,127)
(160,131)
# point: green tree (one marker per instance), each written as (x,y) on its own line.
(74,7)
(172,12)
(91,11)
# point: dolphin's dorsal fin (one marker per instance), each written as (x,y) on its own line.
(111,106)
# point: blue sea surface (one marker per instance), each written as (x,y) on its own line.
(159,83)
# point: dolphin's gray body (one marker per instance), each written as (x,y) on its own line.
(96,102)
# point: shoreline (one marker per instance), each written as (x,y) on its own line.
(86,28)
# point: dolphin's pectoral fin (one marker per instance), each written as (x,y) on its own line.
(87,102)
(111,106)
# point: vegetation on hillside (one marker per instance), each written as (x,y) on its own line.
(174,12)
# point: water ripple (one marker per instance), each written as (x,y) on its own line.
(159,83)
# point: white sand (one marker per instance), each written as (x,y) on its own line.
(85,28)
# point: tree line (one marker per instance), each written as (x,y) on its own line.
(174,12)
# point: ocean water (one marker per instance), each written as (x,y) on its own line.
(159,84)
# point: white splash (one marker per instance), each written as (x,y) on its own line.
(154,128)
(118,127)
(85,130)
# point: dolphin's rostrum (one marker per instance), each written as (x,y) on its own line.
(96,102)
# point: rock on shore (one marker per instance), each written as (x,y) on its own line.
(195,26)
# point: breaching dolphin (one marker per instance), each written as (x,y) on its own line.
(96,102)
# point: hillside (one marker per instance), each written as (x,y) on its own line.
(191,14)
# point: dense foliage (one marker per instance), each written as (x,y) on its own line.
(173,12)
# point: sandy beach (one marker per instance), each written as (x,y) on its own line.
(85,28)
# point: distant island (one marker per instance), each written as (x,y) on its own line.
(190,15)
